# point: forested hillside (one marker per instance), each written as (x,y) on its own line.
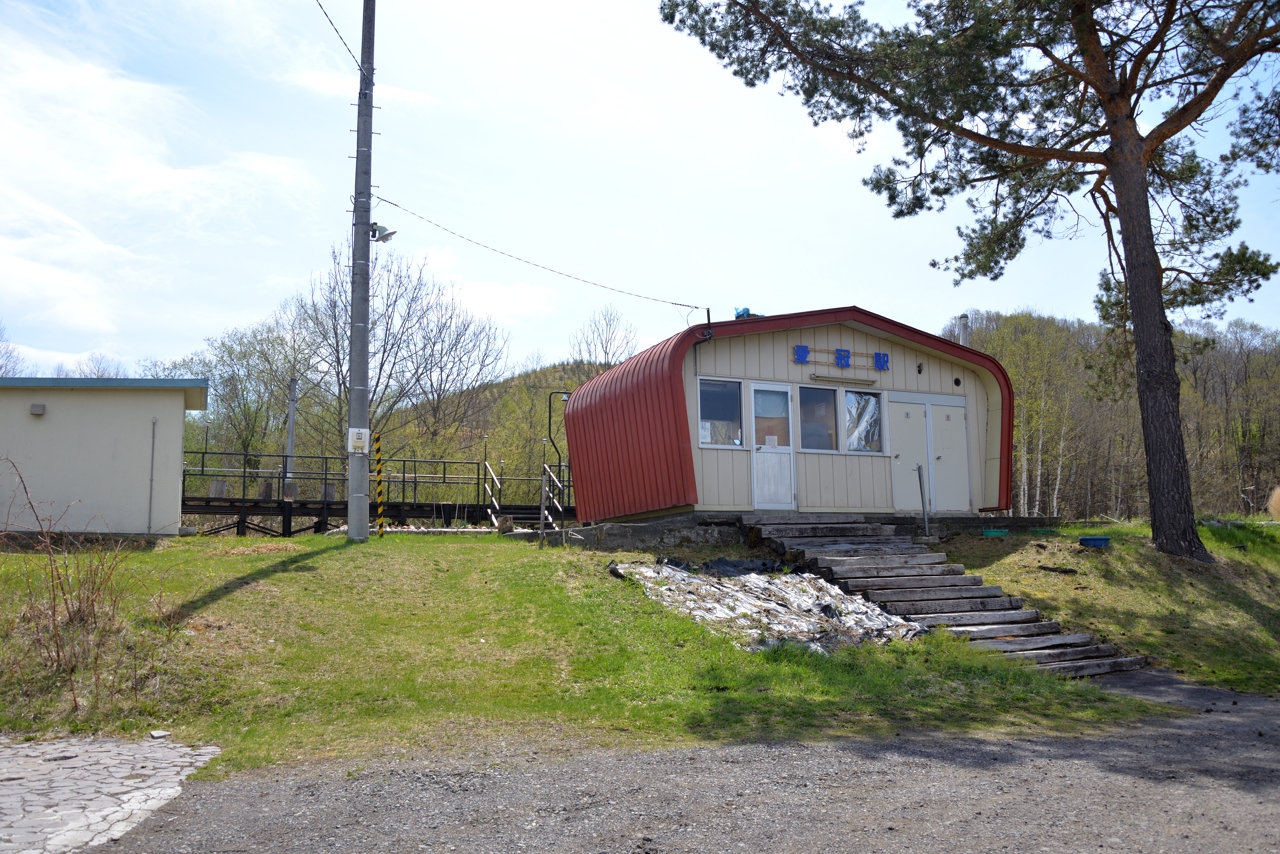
(1078,447)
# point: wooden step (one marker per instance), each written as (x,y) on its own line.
(910,571)
(843,548)
(818,541)
(886,560)
(911,581)
(1066,653)
(1049,627)
(750,519)
(979,618)
(1097,667)
(950,591)
(778,532)
(943,606)
(1021,644)
(854,549)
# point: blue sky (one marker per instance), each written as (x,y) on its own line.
(173,169)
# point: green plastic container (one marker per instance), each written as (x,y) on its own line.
(994,532)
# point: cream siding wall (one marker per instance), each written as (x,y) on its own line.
(87,460)
(829,481)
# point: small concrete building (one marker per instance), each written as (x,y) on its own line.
(839,411)
(97,455)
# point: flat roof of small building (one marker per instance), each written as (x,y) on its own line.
(195,392)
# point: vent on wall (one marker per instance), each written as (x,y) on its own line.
(37,409)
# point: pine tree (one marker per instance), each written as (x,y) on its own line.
(1029,108)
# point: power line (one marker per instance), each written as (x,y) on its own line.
(533,264)
(340,38)
(478,243)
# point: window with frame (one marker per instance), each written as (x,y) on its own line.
(818,430)
(862,430)
(720,413)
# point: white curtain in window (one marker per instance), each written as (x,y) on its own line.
(862,422)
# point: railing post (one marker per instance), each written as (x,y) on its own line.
(381,485)
(542,512)
(924,504)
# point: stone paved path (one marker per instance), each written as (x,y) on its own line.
(62,795)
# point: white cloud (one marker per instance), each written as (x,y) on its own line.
(102,217)
(441,259)
(43,362)
(344,85)
(168,173)
(512,305)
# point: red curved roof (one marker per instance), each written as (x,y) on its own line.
(628,429)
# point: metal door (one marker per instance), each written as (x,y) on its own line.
(909,442)
(950,459)
(772,463)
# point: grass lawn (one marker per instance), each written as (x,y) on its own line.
(311,647)
(1218,625)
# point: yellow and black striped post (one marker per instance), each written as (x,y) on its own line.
(377,459)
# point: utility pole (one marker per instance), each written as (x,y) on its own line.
(358,405)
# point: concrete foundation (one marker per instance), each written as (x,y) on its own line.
(703,528)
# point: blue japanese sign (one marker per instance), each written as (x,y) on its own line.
(842,358)
(882,361)
(801,354)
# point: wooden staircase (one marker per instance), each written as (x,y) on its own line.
(880,559)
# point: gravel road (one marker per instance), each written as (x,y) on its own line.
(1205,782)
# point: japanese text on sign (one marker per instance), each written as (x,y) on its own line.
(803,354)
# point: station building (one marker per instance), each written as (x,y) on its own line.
(96,455)
(839,411)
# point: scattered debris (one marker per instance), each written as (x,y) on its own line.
(723,567)
(159,734)
(1064,570)
(411,529)
(764,611)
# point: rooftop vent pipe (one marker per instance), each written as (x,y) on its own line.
(964,330)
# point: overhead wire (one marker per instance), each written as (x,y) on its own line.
(691,308)
(535,264)
(340,38)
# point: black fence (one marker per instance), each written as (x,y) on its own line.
(252,486)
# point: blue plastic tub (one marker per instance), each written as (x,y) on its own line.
(1095,542)
(993,532)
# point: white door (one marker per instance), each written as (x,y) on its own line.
(950,459)
(771,453)
(909,443)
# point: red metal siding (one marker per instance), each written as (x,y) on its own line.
(628,429)
(628,432)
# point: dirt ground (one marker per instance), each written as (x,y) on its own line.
(1209,781)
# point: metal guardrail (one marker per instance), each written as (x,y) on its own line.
(232,474)
(492,494)
(232,482)
(554,497)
